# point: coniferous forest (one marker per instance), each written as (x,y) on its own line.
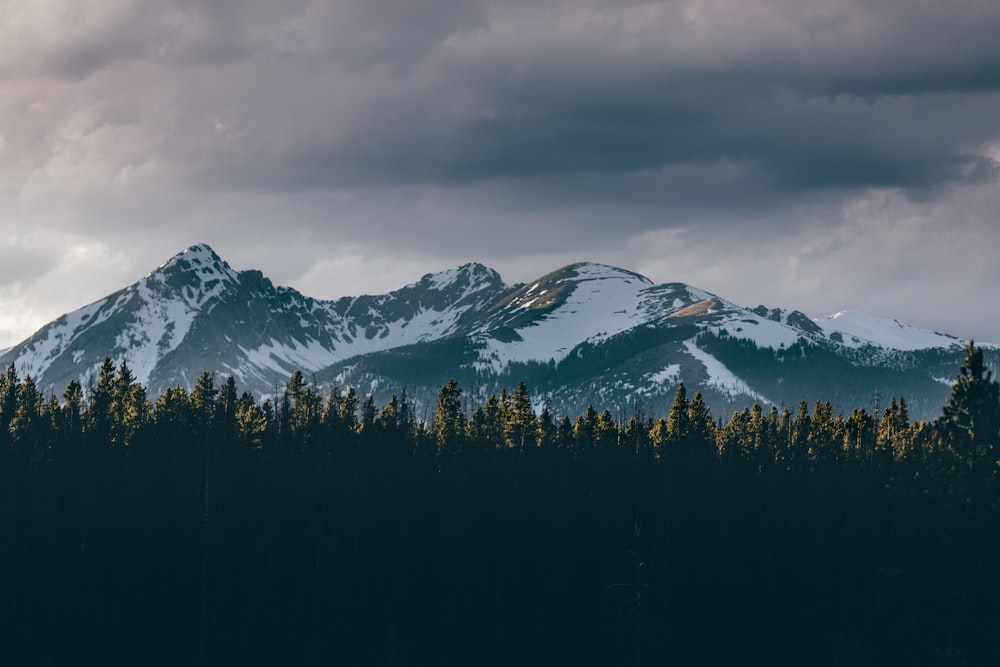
(318,528)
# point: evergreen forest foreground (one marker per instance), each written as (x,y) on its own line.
(319,528)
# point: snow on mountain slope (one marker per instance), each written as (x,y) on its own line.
(272,331)
(317,334)
(857,329)
(195,313)
(54,338)
(431,308)
(721,377)
(592,302)
(668,376)
(139,324)
(765,331)
(168,301)
(581,302)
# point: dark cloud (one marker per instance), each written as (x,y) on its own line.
(438,131)
(306,95)
(433,95)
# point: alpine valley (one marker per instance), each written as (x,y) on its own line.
(583,334)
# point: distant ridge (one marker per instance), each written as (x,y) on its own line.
(585,333)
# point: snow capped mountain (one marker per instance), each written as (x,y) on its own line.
(590,303)
(550,317)
(195,313)
(586,333)
(140,324)
(857,329)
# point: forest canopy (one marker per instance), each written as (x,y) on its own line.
(208,526)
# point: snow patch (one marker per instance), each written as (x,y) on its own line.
(603,302)
(284,359)
(858,329)
(667,376)
(55,339)
(763,332)
(721,377)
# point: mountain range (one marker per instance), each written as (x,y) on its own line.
(583,334)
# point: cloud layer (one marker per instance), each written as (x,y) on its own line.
(813,154)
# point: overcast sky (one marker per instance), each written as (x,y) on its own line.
(813,154)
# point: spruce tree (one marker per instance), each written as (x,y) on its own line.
(72,409)
(520,423)
(546,431)
(449,420)
(678,421)
(659,436)
(701,427)
(100,413)
(971,418)
(26,426)
(251,422)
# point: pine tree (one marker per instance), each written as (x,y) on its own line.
(390,415)
(519,426)
(369,415)
(636,435)
(736,442)
(172,417)
(130,409)
(349,403)
(203,403)
(825,437)
(100,413)
(659,436)
(306,409)
(585,429)
(73,410)
(490,426)
(761,441)
(26,426)
(564,433)
(546,431)
(605,431)
(9,385)
(902,414)
(449,420)
(251,422)
(798,430)
(971,418)
(225,407)
(701,427)
(678,421)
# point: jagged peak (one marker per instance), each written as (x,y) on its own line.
(792,318)
(198,253)
(471,275)
(198,260)
(477,268)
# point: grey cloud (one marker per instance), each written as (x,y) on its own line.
(559,100)
(315,95)
(19,264)
(532,128)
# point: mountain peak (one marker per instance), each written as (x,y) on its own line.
(587,331)
(595,271)
(471,277)
(200,254)
(198,263)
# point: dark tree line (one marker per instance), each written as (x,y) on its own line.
(208,527)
